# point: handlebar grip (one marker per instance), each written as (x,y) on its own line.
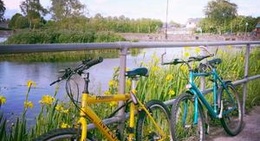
(199,58)
(54,82)
(174,62)
(90,63)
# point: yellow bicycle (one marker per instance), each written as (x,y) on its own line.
(146,122)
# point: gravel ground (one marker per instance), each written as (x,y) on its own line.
(250,132)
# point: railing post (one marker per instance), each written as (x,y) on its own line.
(122,69)
(247,53)
(202,79)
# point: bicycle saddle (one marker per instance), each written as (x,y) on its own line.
(137,72)
(214,62)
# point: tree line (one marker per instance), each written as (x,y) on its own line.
(220,17)
(69,14)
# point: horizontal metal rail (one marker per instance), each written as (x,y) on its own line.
(26,48)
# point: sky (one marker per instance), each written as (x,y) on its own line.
(178,10)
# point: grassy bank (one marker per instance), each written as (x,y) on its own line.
(66,56)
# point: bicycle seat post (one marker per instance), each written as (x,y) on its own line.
(134,81)
(85,76)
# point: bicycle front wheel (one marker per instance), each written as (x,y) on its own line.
(146,129)
(184,127)
(66,134)
(232,111)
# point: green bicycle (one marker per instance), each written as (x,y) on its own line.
(187,116)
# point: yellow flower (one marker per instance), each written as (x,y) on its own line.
(169,77)
(171,92)
(197,50)
(241,58)
(107,93)
(186,54)
(2,100)
(59,107)
(31,83)
(47,100)
(183,68)
(28,104)
(186,48)
(113,103)
(112,83)
(65,111)
(154,68)
(64,125)
(229,47)
(128,82)
(156,59)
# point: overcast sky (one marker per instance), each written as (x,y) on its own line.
(178,10)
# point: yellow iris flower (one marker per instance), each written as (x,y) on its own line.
(171,92)
(28,104)
(31,83)
(2,100)
(64,125)
(169,77)
(47,100)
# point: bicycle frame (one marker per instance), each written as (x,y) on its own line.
(86,111)
(217,81)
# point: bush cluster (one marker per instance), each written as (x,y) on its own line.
(62,36)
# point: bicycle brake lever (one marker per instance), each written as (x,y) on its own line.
(162,56)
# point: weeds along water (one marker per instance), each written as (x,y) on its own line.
(164,83)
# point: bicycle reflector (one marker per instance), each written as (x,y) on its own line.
(188,86)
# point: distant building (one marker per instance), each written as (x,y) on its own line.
(257,30)
(193,23)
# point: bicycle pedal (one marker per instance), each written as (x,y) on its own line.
(207,128)
(221,110)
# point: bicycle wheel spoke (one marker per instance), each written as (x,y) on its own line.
(147,128)
(232,114)
(183,127)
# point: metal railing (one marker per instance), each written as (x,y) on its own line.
(124,47)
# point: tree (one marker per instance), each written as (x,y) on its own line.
(62,9)
(2,10)
(34,11)
(220,10)
(18,21)
(219,14)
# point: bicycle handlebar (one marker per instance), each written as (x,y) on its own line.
(191,59)
(199,58)
(86,64)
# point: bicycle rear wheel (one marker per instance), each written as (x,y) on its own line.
(66,134)
(183,126)
(146,130)
(232,111)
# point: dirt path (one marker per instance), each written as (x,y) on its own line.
(250,132)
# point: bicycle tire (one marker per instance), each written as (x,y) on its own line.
(63,134)
(182,123)
(231,122)
(145,129)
